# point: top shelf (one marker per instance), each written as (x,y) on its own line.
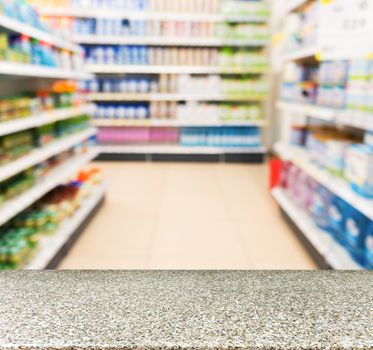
(15,26)
(136,15)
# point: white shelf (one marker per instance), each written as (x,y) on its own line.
(164,41)
(323,113)
(168,97)
(41,154)
(335,184)
(31,70)
(336,255)
(44,118)
(356,119)
(56,177)
(198,122)
(143,15)
(149,69)
(177,149)
(308,52)
(49,246)
(15,26)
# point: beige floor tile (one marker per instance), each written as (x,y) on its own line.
(115,237)
(193,207)
(270,244)
(197,243)
(187,216)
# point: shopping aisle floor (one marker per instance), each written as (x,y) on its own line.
(187,216)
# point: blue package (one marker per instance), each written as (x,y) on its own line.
(336,212)
(320,207)
(369,248)
(355,230)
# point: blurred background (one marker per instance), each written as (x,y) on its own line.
(186,134)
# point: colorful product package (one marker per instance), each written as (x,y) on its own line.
(359,169)
(369,248)
(355,230)
(337,209)
(320,207)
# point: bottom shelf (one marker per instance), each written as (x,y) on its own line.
(181,153)
(326,247)
(53,248)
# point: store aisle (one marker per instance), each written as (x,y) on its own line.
(187,216)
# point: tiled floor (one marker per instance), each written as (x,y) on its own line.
(187,216)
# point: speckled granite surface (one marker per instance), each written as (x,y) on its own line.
(186,310)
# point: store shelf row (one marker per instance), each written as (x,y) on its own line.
(356,119)
(200,122)
(51,246)
(41,154)
(177,149)
(166,41)
(143,15)
(334,254)
(14,26)
(124,97)
(56,177)
(169,69)
(36,71)
(336,185)
(37,120)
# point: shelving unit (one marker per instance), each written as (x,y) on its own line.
(165,41)
(41,154)
(355,119)
(149,69)
(56,177)
(170,97)
(329,252)
(14,26)
(175,123)
(336,185)
(34,121)
(136,15)
(20,78)
(52,249)
(326,250)
(164,152)
(161,41)
(21,70)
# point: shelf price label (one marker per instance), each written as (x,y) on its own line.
(345,29)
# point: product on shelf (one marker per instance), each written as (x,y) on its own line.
(212,85)
(192,111)
(16,185)
(301,28)
(20,237)
(61,95)
(15,145)
(203,137)
(330,213)
(340,152)
(334,84)
(23,12)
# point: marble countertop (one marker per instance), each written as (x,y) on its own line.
(185,310)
